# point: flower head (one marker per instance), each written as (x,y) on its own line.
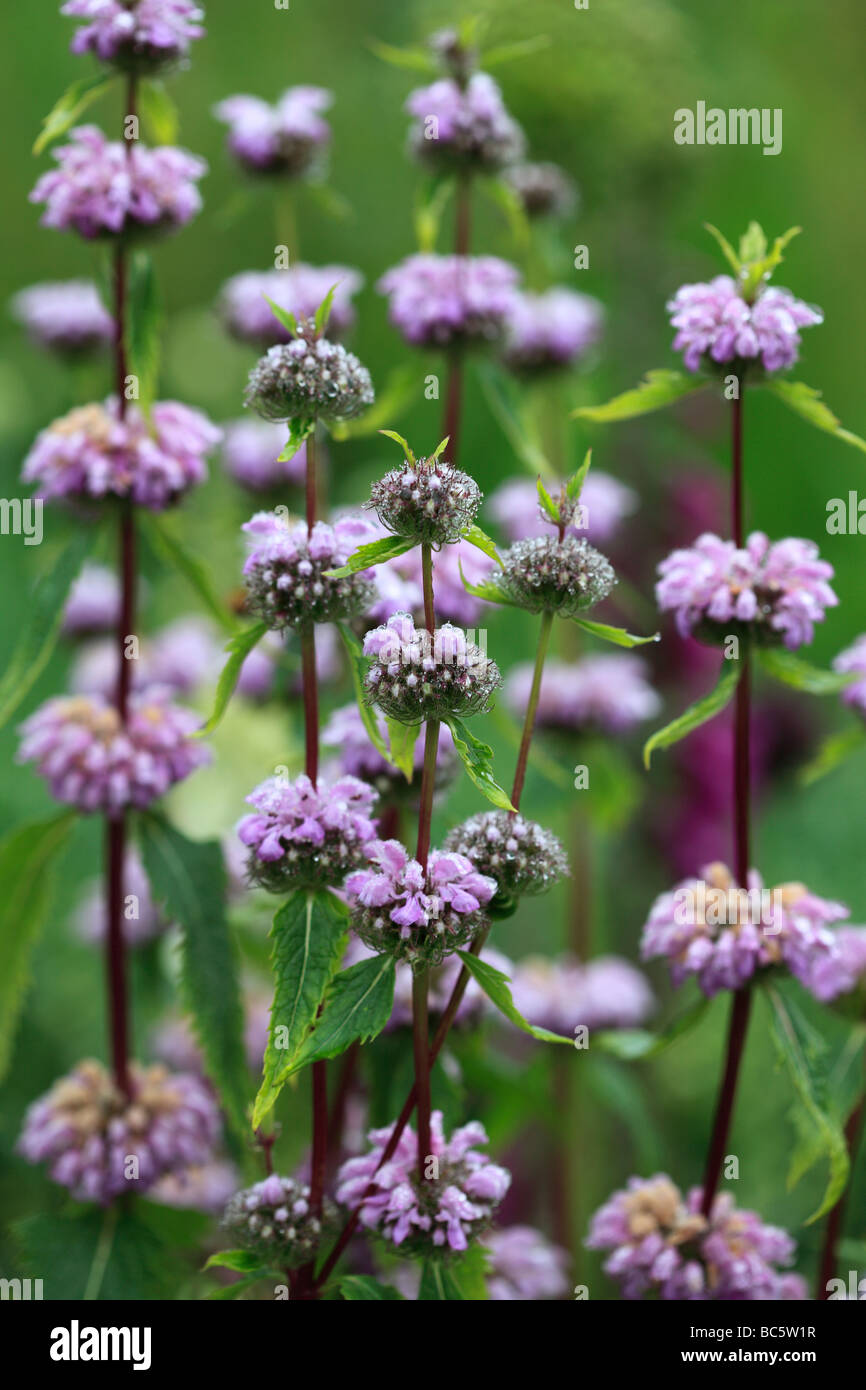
(607,694)
(604,504)
(299,290)
(524,1266)
(774,591)
(550,331)
(94,601)
(92,761)
(101,188)
(306,836)
(414,676)
(425,1217)
(463,126)
(518,854)
(92,453)
(142,36)
(274,1219)
(251,455)
(88,1130)
(662,1245)
(715,324)
(426,500)
(64,316)
(549,575)
(359,757)
(722,934)
(402,910)
(287,138)
(566,994)
(309,378)
(287,570)
(545,190)
(853,658)
(450,301)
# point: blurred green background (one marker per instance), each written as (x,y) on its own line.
(600,101)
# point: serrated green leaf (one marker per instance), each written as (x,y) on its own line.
(438,1284)
(26,885)
(617,635)
(309,937)
(398,439)
(374,553)
(323,313)
(727,249)
(299,433)
(188,878)
(659,388)
(698,713)
(803,1051)
(362,1288)
(401,745)
(241,1261)
(38,635)
(791,670)
(170,550)
(238,648)
(496,986)
(144,328)
(834,751)
(806,401)
(477,758)
(283,316)
(357,1006)
(574,486)
(66,110)
(475,536)
(158,112)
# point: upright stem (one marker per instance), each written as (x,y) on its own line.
(311,702)
(427,584)
(421,979)
(531,708)
(311,498)
(742,1000)
(421,1052)
(319,1160)
(454,385)
(827,1267)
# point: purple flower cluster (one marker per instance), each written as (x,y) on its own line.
(274,1219)
(287,570)
(661,1245)
(853,658)
(521,856)
(545,190)
(299,291)
(721,934)
(524,1266)
(450,301)
(422,1217)
(565,994)
(552,330)
(359,757)
(102,188)
(604,504)
(92,453)
(414,675)
(286,138)
(137,35)
(426,500)
(94,601)
(64,316)
(609,694)
(774,590)
(200,1187)
(251,455)
(413,914)
(90,1132)
(463,126)
(306,836)
(91,761)
(714,322)
(180,657)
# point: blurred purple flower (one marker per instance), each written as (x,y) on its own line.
(607,694)
(251,455)
(141,919)
(604,504)
(544,189)
(65,316)
(565,994)
(524,1266)
(713,319)
(286,138)
(853,658)
(201,1187)
(137,35)
(464,126)
(449,301)
(551,330)
(299,290)
(94,601)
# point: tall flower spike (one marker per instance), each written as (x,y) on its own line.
(414,677)
(426,500)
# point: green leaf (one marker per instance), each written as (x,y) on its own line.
(357,1006)
(309,937)
(477,758)
(188,878)
(170,550)
(299,433)
(806,401)
(323,313)
(65,112)
(659,388)
(833,752)
(415,59)
(238,648)
(515,420)
(26,886)
(401,745)
(728,251)
(470,1273)
(521,48)
(231,1291)
(398,439)
(431,201)
(784,666)
(362,1288)
(698,713)
(38,635)
(508,200)
(574,486)
(158,112)
(438,1284)
(620,1091)
(488,589)
(241,1261)
(283,316)
(400,389)
(617,635)
(547,503)
(753,243)
(374,553)
(803,1051)
(638,1044)
(358,668)
(475,536)
(496,987)
(329,200)
(144,327)
(756,271)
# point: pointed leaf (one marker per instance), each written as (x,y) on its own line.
(521,48)
(241,1261)
(66,110)
(806,401)
(761,269)
(158,113)
(477,758)
(475,536)
(299,433)
(791,670)
(833,752)
(547,503)
(170,550)
(753,243)
(323,313)
(357,1007)
(488,589)
(283,316)
(398,439)
(144,327)
(362,1288)
(659,388)
(728,251)
(617,635)
(574,486)
(309,937)
(496,987)
(401,745)
(375,553)
(438,1284)
(698,713)
(415,59)
(238,648)
(188,878)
